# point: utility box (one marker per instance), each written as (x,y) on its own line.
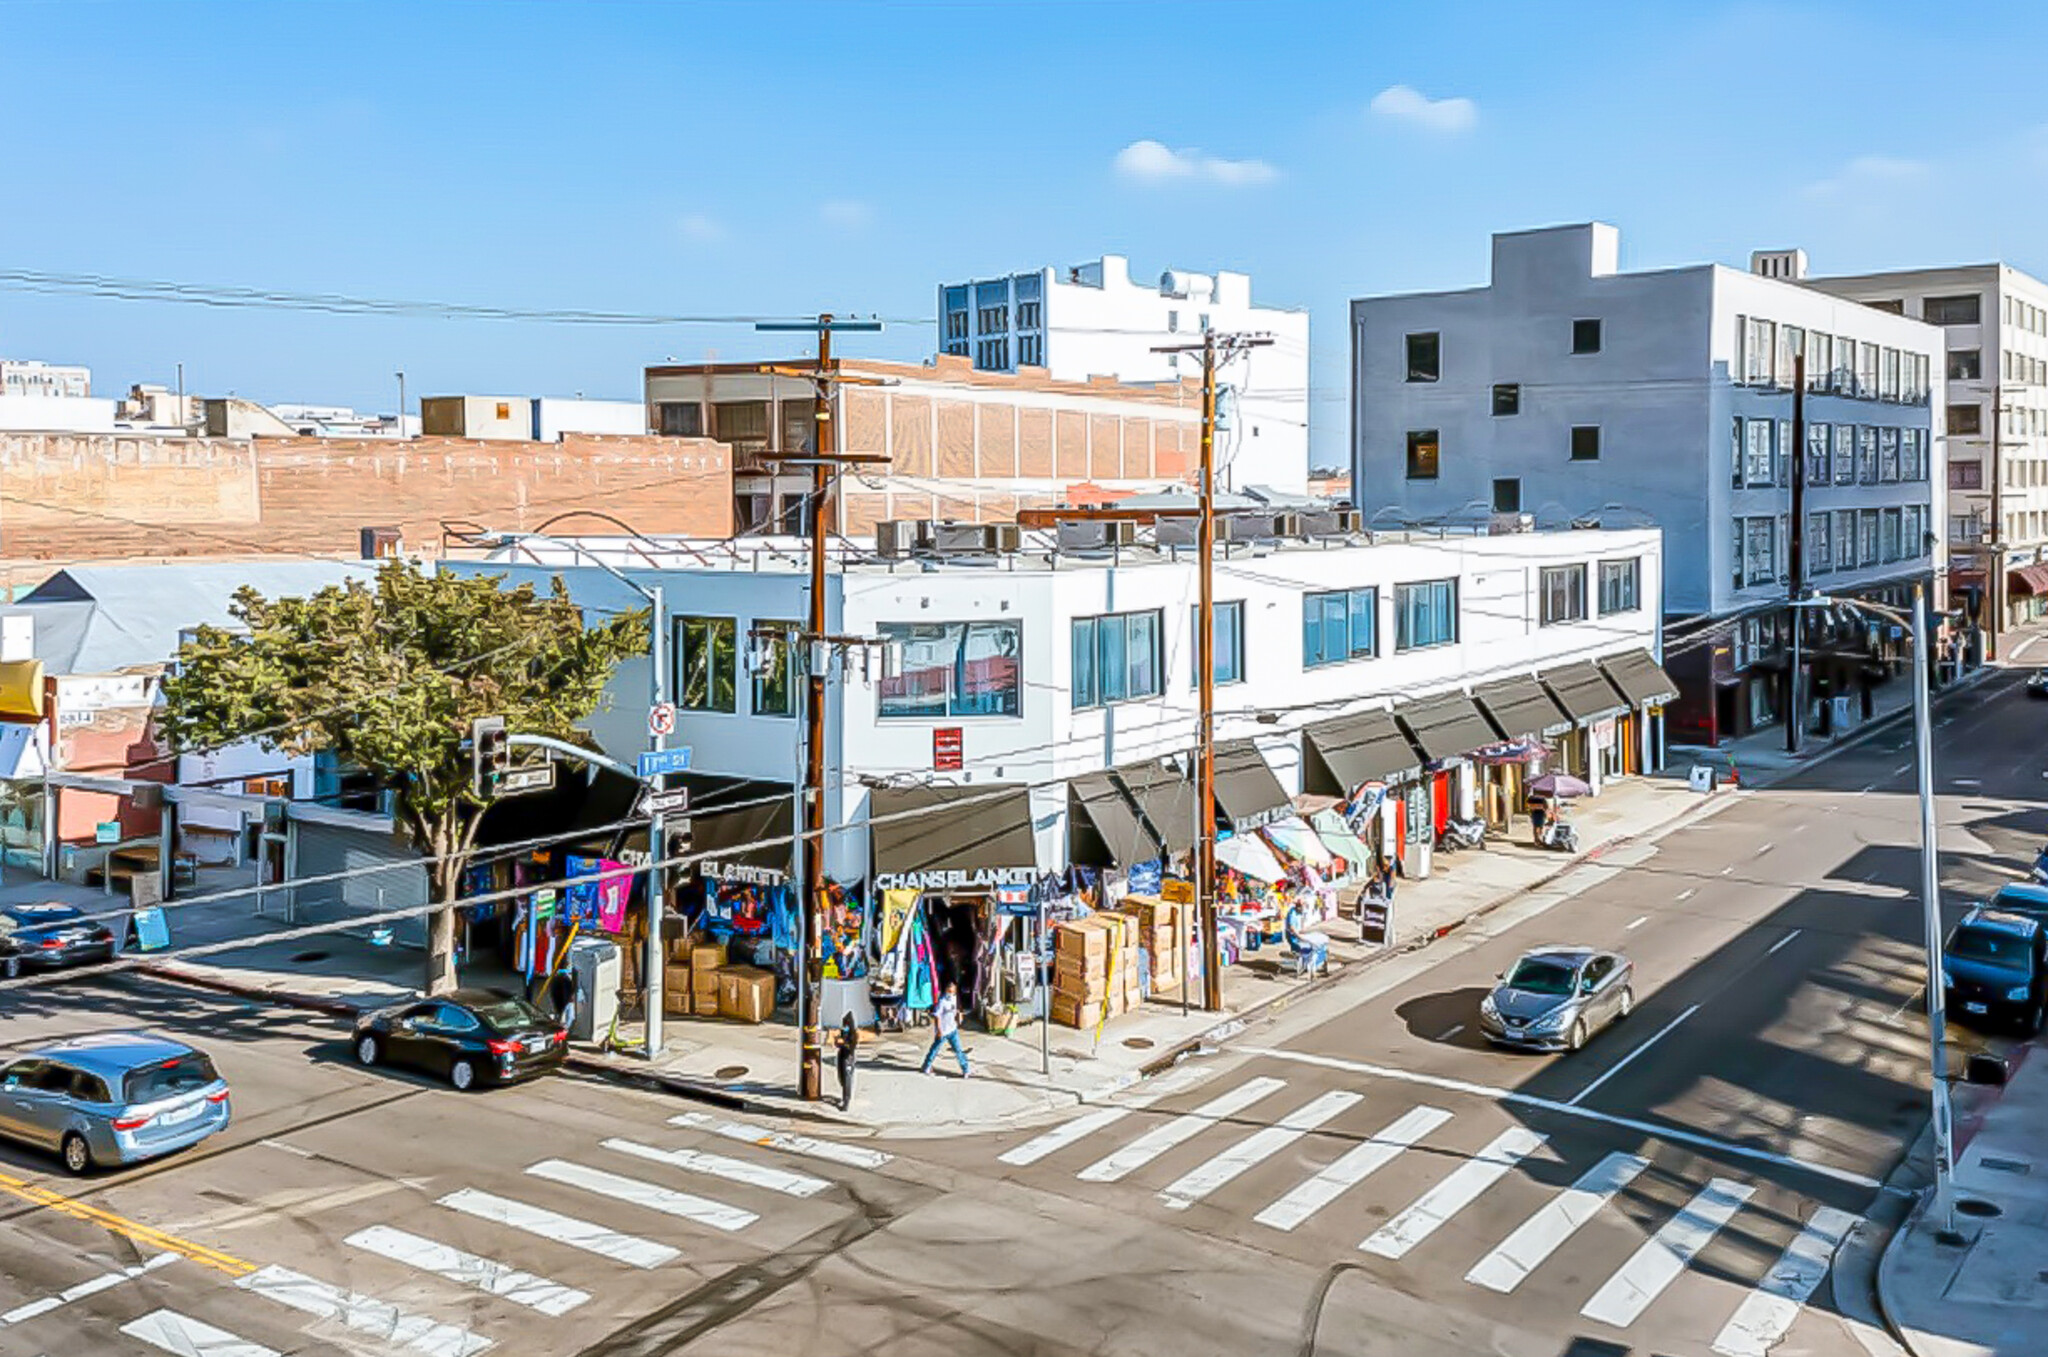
(594,963)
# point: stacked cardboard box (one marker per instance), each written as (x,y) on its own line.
(707,961)
(1095,969)
(1161,925)
(746,993)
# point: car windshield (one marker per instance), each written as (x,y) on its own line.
(168,1078)
(2006,950)
(511,1015)
(1543,975)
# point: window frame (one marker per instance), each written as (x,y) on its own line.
(1423,351)
(1508,395)
(1317,604)
(1579,332)
(724,667)
(1229,656)
(959,632)
(1132,651)
(1578,454)
(1618,569)
(1431,439)
(1573,577)
(1404,640)
(783,644)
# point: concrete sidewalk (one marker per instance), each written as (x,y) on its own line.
(1982,1290)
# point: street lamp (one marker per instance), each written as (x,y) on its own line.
(401,404)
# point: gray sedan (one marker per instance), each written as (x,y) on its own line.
(112,1098)
(1554,998)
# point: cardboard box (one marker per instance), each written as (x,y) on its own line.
(704,982)
(677,1002)
(1072,1013)
(746,994)
(1081,938)
(707,956)
(1082,989)
(704,1005)
(675,978)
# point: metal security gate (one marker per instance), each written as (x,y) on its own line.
(322,847)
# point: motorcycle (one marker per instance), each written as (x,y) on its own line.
(1559,835)
(1461,834)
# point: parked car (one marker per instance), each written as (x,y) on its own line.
(1555,998)
(112,1098)
(468,1037)
(2037,683)
(45,937)
(2021,897)
(1995,968)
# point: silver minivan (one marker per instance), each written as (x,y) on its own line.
(111,1098)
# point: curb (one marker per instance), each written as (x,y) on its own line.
(1878,1284)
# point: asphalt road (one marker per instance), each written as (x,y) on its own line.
(1361,1176)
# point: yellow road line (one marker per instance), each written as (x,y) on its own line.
(121,1225)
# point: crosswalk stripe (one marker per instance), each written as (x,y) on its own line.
(1160,1139)
(1254,1149)
(361,1313)
(1059,1137)
(1538,1237)
(467,1269)
(1766,1314)
(1421,1219)
(720,1166)
(1352,1167)
(854,1156)
(1665,1254)
(169,1331)
(686,1205)
(577,1234)
(90,1287)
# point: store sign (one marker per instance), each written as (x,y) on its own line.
(1603,733)
(1259,821)
(1177,892)
(947,749)
(741,874)
(978,878)
(1375,920)
(1015,900)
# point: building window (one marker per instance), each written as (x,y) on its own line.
(1585,336)
(1888,454)
(742,424)
(1866,454)
(799,421)
(1339,626)
(1028,314)
(1563,594)
(1966,475)
(1965,310)
(1816,454)
(1760,551)
(1820,362)
(1888,535)
(1965,365)
(1116,658)
(1425,357)
(1866,536)
(1819,558)
(1229,635)
(679,419)
(1585,443)
(1422,454)
(1735,558)
(1425,614)
(1507,398)
(1757,348)
(1845,454)
(775,679)
(1757,460)
(1621,584)
(1888,375)
(1781,454)
(1895,306)
(956,324)
(1737,450)
(1965,420)
(1791,344)
(1845,539)
(707,663)
(953,669)
(1866,371)
(1507,495)
(1031,351)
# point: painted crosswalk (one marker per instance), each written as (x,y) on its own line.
(685,1205)
(577,1234)
(1666,1254)
(467,1269)
(831,1151)
(1057,1139)
(365,1314)
(723,1166)
(1255,1149)
(1422,1217)
(182,1336)
(1538,1237)
(1352,1168)
(1157,1141)
(1766,1314)
(92,1286)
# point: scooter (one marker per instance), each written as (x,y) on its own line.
(1559,835)
(1462,834)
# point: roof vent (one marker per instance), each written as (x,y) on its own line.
(1089,534)
(1789,265)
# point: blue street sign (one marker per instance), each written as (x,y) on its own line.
(655,762)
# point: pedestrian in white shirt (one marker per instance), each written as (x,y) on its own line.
(946,1024)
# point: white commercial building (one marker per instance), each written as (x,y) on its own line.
(1568,390)
(1092,320)
(51,397)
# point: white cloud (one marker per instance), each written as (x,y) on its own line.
(1406,104)
(847,214)
(1866,174)
(700,228)
(1153,162)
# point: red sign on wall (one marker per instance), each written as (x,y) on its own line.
(946,749)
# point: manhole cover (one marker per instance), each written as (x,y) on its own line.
(303,958)
(1975,1206)
(730,1072)
(1138,1043)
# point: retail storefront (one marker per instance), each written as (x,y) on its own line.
(1445,728)
(1639,731)
(1585,695)
(1525,713)
(1370,765)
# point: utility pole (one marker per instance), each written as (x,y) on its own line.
(1994,578)
(1795,715)
(1930,917)
(401,404)
(1228,346)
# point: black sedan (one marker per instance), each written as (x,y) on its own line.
(45,937)
(2037,683)
(469,1036)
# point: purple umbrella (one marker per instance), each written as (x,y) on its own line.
(1559,785)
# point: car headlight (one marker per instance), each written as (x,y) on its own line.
(1487,1008)
(1555,1018)
(2018,994)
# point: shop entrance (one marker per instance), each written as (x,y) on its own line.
(954,924)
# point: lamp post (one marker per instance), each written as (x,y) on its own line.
(401,404)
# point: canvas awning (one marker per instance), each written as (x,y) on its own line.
(1584,692)
(1446,726)
(2027,579)
(1247,793)
(1641,679)
(1104,825)
(1342,755)
(1165,797)
(732,838)
(952,837)
(1521,708)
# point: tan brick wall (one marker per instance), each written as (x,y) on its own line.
(864,415)
(1034,443)
(956,437)
(1137,448)
(1072,456)
(1105,458)
(996,453)
(910,432)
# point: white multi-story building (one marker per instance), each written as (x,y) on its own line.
(1995,322)
(31,377)
(1092,320)
(51,397)
(1568,390)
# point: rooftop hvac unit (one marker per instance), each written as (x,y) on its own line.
(1258,527)
(1181,530)
(896,538)
(1086,534)
(1501,524)
(1332,522)
(975,538)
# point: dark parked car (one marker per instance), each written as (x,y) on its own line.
(468,1037)
(1554,998)
(1995,968)
(44,937)
(112,1098)
(2021,897)
(2037,683)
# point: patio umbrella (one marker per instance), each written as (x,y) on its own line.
(1515,751)
(1559,785)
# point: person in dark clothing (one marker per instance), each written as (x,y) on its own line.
(845,1042)
(562,997)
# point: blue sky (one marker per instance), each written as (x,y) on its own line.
(783,158)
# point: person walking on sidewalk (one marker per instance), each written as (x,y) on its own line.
(845,1042)
(946,1030)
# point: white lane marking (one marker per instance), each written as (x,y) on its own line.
(1664,1255)
(1421,1219)
(1352,1167)
(685,1205)
(169,1331)
(1902,768)
(1640,922)
(362,1313)
(1766,848)
(467,1269)
(1766,1314)
(1689,892)
(91,1286)
(1729,868)
(288,1149)
(1618,1066)
(1522,1252)
(854,1156)
(1787,938)
(1868,790)
(1162,1138)
(1678,1135)
(577,1234)
(1254,1149)
(1447,1034)
(1037,1148)
(785,1181)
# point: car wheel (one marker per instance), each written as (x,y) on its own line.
(1628,1004)
(367,1050)
(1576,1038)
(77,1154)
(462,1074)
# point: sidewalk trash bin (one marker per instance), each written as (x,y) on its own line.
(594,962)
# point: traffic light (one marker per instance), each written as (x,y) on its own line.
(490,756)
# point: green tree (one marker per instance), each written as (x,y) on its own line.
(389,678)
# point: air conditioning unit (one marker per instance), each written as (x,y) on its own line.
(1004,538)
(970,539)
(896,538)
(1501,524)
(1088,534)
(1332,522)
(1181,530)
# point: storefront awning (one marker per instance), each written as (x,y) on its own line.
(1584,692)
(732,837)
(941,838)
(1104,824)
(1641,679)
(1344,754)
(1446,726)
(1521,708)
(1247,793)
(2027,579)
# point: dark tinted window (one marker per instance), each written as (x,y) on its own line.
(21,1074)
(1596,971)
(1585,336)
(1963,310)
(1540,975)
(168,1078)
(89,1088)
(1425,355)
(454,1018)
(512,1015)
(1991,945)
(1507,398)
(51,1079)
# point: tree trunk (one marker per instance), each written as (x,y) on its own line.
(446,876)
